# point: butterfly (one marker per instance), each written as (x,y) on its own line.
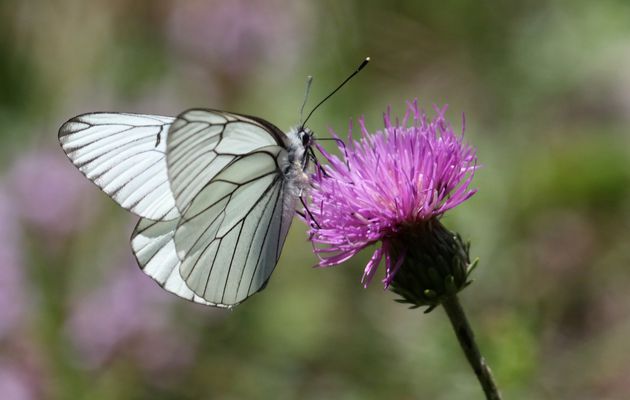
(215,191)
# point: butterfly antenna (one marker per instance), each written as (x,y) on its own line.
(309,81)
(363,64)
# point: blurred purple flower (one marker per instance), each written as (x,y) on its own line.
(387,183)
(49,193)
(12,290)
(17,383)
(129,312)
(236,36)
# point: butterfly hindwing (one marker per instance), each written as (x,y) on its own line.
(230,237)
(124,155)
(154,248)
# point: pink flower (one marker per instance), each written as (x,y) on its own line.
(128,315)
(233,37)
(17,382)
(49,194)
(388,184)
(13,288)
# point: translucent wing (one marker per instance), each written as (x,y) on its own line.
(201,143)
(124,155)
(153,245)
(230,237)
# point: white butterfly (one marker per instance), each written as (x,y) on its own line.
(216,193)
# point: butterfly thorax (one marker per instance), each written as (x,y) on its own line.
(297,168)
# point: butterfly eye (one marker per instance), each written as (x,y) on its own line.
(306,138)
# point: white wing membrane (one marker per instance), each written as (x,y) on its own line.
(211,189)
(154,248)
(124,155)
(229,239)
(202,142)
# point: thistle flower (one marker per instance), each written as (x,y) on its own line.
(392,187)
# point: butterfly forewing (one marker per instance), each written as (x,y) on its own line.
(124,155)
(201,143)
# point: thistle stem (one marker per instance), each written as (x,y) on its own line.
(466,340)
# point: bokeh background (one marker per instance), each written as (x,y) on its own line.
(545,86)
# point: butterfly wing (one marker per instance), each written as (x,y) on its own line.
(153,245)
(220,172)
(124,155)
(201,143)
(226,172)
(229,239)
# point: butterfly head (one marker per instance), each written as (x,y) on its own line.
(306,137)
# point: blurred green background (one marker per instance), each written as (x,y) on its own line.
(545,86)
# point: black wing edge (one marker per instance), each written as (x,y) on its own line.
(277,133)
(61,133)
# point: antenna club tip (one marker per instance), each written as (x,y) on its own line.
(363,64)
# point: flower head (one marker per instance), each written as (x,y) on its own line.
(48,195)
(18,382)
(99,333)
(13,301)
(233,37)
(388,185)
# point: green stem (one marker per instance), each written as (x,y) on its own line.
(466,340)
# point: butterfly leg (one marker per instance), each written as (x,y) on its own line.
(313,157)
(308,212)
